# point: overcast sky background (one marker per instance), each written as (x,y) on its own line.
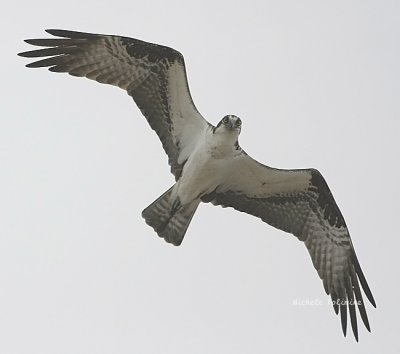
(316,83)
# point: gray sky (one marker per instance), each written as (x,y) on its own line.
(316,84)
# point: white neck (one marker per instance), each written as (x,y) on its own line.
(223,142)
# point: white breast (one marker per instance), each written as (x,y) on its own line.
(207,167)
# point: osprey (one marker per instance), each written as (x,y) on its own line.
(208,163)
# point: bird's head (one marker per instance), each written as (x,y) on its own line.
(229,123)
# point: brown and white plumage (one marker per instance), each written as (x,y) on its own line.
(153,75)
(208,163)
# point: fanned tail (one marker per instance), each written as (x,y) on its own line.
(169,218)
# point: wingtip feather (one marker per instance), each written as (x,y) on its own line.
(55,31)
(343,317)
(363,280)
(70,34)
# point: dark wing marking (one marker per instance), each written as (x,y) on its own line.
(154,75)
(300,202)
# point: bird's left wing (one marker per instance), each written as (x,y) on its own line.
(154,75)
(300,202)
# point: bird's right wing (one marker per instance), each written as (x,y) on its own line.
(154,75)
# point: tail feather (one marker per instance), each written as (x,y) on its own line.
(168,218)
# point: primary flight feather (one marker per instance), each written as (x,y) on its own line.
(208,163)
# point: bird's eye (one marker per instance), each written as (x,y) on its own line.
(225,119)
(238,122)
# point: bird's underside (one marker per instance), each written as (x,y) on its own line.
(208,162)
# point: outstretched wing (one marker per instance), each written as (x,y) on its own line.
(154,75)
(300,202)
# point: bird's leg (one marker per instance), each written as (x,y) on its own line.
(176,205)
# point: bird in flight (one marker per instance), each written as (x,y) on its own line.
(208,163)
